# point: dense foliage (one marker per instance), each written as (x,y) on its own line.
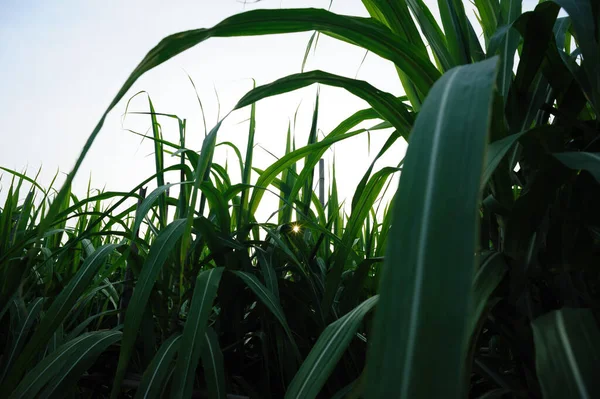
(480,280)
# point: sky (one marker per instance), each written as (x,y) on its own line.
(63,62)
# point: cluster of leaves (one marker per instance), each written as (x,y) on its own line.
(210,302)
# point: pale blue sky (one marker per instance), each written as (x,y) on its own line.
(63,62)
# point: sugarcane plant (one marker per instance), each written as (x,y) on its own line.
(478,280)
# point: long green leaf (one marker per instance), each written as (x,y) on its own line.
(76,364)
(326,352)
(386,105)
(269,300)
(454,20)
(51,365)
(192,339)
(148,202)
(212,363)
(425,285)
(157,256)
(433,33)
(153,380)
(567,354)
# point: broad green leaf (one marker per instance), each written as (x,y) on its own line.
(567,354)
(157,256)
(426,279)
(192,339)
(326,353)
(153,380)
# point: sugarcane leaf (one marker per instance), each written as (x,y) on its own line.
(193,338)
(153,380)
(428,269)
(567,353)
(326,352)
(157,256)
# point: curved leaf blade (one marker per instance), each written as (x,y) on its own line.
(326,352)
(51,365)
(270,301)
(153,380)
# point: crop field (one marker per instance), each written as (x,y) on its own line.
(479,279)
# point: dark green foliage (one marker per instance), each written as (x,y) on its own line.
(479,280)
